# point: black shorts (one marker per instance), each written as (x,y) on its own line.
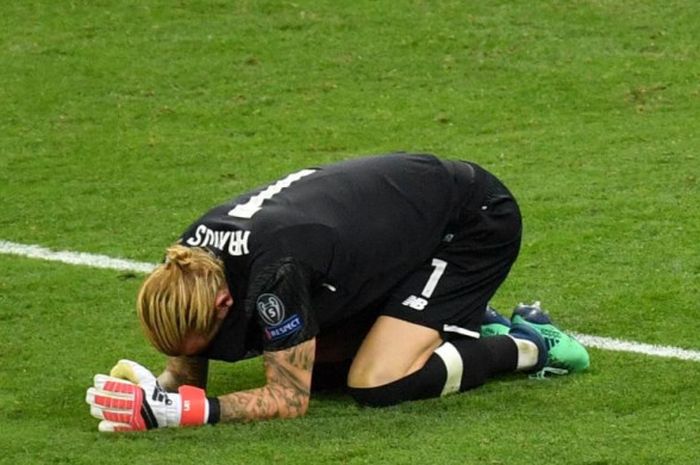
(449,292)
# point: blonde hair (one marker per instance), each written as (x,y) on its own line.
(179,297)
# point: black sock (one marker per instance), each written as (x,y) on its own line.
(457,365)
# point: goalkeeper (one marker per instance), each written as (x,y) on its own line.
(373,273)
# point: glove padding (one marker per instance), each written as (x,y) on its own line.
(131,399)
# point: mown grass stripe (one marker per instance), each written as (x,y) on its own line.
(103,261)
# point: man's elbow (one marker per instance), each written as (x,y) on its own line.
(295,404)
(300,408)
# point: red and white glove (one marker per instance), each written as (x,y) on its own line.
(131,399)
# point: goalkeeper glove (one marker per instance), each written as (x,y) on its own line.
(131,399)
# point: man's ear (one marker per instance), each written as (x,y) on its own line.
(223,303)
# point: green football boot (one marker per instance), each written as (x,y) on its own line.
(564,353)
(493,323)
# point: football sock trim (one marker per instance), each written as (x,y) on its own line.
(455,366)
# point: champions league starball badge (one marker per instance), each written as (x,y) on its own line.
(270,308)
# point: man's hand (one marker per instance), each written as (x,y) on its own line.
(131,399)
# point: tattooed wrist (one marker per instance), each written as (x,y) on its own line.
(287,392)
(264,403)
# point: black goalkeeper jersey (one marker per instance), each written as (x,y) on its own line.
(321,245)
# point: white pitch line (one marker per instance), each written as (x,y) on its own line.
(618,345)
(74,258)
(103,261)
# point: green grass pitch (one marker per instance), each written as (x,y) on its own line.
(122,121)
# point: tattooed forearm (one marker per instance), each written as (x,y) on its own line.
(184,370)
(286,394)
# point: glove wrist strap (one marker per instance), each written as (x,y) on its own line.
(194,406)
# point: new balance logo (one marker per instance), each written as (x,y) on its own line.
(416,303)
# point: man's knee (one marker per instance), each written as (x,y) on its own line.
(383,358)
(422,384)
(370,375)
